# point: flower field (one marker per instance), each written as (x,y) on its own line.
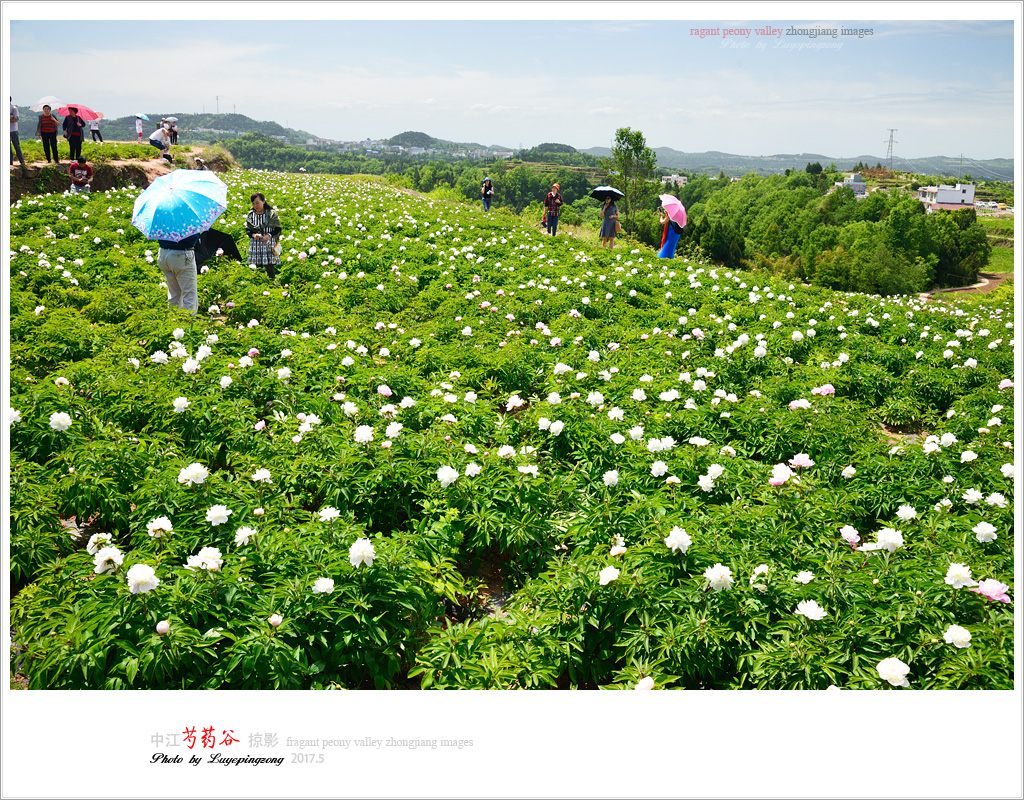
(685,476)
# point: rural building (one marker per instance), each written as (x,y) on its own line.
(946,197)
(679,180)
(855,182)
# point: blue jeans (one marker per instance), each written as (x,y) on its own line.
(552,223)
(487,204)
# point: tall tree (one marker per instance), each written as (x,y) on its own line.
(633,163)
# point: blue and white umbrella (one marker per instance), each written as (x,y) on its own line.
(180,204)
(142,116)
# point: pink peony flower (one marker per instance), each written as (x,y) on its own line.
(780,474)
(253,353)
(796,405)
(993,590)
(1005,383)
(260,425)
(828,388)
(384,390)
(801,460)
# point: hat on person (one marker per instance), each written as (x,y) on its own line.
(556,186)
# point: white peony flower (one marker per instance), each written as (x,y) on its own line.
(261,476)
(955,635)
(678,540)
(142,579)
(364,434)
(811,610)
(804,577)
(159,527)
(472,470)
(208,558)
(60,421)
(328,513)
(193,474)
(361,552)
(97,542)
(446,476)
(889,539)
(107,559)
(985,532)
(718,577)
(611,478)
(894,671)
(607,575)
(323,586)
(180,404)
(218,514)
(243,535)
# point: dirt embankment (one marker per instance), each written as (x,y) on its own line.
(39,177)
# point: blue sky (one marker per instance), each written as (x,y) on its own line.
(946,86)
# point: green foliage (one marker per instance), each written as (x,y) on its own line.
(632,164)
(609,397)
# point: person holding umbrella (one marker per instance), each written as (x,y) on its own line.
(74,126)
(46,129)
(264,229)
(487,192)
(552,206)
(609,223)
(673,217)
(138,128)
(176,210)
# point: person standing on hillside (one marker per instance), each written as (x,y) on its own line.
(81,174)
(138,128)
(94,129)
(552,207)
(15,141)
(174,133)
(264,230)
(487,193)
(74,128)
(609,223)
(46,129)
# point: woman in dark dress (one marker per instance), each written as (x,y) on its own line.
(609,216)
(264,230)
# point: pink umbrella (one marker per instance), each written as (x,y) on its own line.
(83,111)
(674,208)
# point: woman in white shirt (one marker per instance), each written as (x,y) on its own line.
(161,140)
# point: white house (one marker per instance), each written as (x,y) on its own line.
(948,197)
(855,182)
(676,179)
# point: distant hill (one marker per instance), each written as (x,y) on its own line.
(191,127)
(712,162)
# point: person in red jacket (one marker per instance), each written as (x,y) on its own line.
(46,129)
(552,207)
(81,175)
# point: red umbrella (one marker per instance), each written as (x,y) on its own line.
(83,111)
(674,208)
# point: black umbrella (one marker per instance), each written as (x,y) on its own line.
(211,241)
(604,192)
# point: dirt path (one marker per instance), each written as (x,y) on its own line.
(987,282)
